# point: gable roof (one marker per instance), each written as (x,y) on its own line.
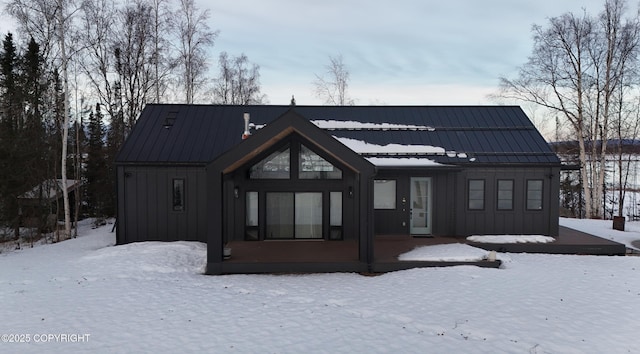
(454,135)
(287,124)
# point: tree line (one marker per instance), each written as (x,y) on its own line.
(584,70)
(71,93)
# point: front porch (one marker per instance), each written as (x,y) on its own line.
(342,256)
(332,256)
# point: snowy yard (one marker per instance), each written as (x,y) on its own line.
(152,297)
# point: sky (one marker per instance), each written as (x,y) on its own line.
(410,52)
(405,52)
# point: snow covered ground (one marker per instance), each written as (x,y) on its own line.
(604,229)
(84,295)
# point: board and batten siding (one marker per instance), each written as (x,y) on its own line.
(397,221)
(519,220)
(145,205)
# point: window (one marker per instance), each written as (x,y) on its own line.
(293,215)
(534,194)
(251,220)
(178,195)
(384,194)
(274,166)
(476,194)
(505,194)
(312,166)
(308,211)
(335,216)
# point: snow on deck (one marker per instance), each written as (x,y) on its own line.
(510,239)
(453,252)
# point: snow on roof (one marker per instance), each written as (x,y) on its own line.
(403,161)
(354,125)
(510,239)
(362,147)
(371,150)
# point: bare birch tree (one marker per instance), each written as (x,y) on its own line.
(50,22)
(97,31)
(164,60)
(195,38)
(238,81)
(575,68)
(134,50)
(332,87)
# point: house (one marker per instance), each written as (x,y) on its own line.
(38,206)
(303,183)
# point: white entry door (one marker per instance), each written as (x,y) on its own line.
(420,208)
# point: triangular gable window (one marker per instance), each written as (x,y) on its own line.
(312,166)
(275,166)
(309,165)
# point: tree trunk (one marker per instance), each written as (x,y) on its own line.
(585,177)
(65,126)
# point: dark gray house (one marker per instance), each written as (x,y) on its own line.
(315,177)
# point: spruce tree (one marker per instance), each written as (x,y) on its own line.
(32,135)
(10,124)
(96,167)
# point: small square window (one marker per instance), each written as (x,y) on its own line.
(384,194)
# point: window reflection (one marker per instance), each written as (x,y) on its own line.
(313,166)
(275,166)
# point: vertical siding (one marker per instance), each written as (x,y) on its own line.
(145,210)
(516,221)
(450,216)
(443,206)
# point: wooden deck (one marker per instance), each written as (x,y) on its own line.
(569,241)
(342,256)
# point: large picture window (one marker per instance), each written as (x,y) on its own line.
(505,194)
(534,194)
(384,194)
(476,194)
(292,215)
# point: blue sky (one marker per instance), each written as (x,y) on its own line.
(401,52)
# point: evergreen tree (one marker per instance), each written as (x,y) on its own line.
(97,189)
(32,134)
(10,124)
(115,138)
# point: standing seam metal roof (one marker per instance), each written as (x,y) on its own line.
(200,133)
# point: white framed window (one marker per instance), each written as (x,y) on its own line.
(384,194)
